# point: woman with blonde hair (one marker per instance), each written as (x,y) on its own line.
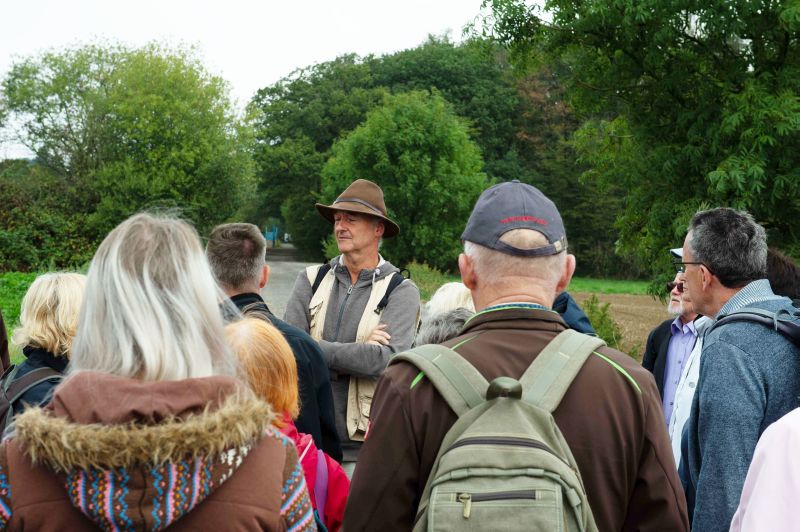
(272,374)
(151,429)
(47,323)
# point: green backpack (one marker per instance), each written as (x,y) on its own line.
(504,464)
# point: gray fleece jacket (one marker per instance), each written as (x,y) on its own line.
(343,356)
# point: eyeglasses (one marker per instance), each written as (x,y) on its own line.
(672,286)
(680,267)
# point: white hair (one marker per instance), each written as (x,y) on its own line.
(450,296)
(495,267)
(152,308)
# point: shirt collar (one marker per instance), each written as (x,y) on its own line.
(679,326)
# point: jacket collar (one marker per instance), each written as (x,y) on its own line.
(43,357)
(146,423)
(251,300)
(534,317)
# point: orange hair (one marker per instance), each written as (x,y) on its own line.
(268,362)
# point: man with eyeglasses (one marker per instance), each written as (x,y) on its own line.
(669,345)
(749,373)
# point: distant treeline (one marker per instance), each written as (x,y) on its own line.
(628,131)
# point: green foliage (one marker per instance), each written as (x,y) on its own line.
(599,315)
(429,279)
(521,126)
(38,229)
(421,155)
(129,128)
(686,105)
(296,122)
(13,286)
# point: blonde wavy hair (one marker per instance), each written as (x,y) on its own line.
(267,361)
(49,313)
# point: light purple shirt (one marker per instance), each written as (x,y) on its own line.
(680,346)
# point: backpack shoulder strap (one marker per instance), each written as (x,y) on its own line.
(321,271)
(549,377)
(785,322)
(18,388)
(397,278)
(456,380)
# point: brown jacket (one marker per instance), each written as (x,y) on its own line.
(611,417)
(119,454)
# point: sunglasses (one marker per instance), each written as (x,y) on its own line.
(671,286)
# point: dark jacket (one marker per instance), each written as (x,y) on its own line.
(121,454)
(654,359)
(5,360)
(572,314)
(40,394)
(316,401)
(610,417)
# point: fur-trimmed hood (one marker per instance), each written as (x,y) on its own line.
(182,439)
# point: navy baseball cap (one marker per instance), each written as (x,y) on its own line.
(515,205)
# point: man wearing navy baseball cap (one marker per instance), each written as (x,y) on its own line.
(514,262)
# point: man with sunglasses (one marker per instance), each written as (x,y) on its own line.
(749,373)
(669,345)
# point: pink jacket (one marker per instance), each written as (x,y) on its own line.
(772,487)
(331,495)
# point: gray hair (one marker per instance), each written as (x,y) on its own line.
(152,308)
(495,266)
(236,254)
(443,326)
(730,244)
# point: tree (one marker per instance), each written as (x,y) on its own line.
(37,231)
(296,122)
(684,105)
(131,128)
(420,153)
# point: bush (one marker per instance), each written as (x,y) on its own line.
(604,325)
(13,286)
(428,279)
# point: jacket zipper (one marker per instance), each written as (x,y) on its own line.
(519,442)
(341,311)
(468,498)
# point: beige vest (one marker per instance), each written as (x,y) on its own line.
(361,389)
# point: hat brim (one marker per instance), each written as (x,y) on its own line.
(676,253)
(327,212)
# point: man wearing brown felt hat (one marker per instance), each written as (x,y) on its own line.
(357,306)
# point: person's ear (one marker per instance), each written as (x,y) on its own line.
(705,277)
(262,280)
(566,276)
(467,269)
(380,228)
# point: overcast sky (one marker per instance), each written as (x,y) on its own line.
(250,43)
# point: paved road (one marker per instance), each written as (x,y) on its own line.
(283,270)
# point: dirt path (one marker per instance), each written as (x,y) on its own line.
(636,315)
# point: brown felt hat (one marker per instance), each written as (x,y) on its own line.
(364,197)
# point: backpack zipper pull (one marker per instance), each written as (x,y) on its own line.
(466,500)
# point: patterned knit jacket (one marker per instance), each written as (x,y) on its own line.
(118,454)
